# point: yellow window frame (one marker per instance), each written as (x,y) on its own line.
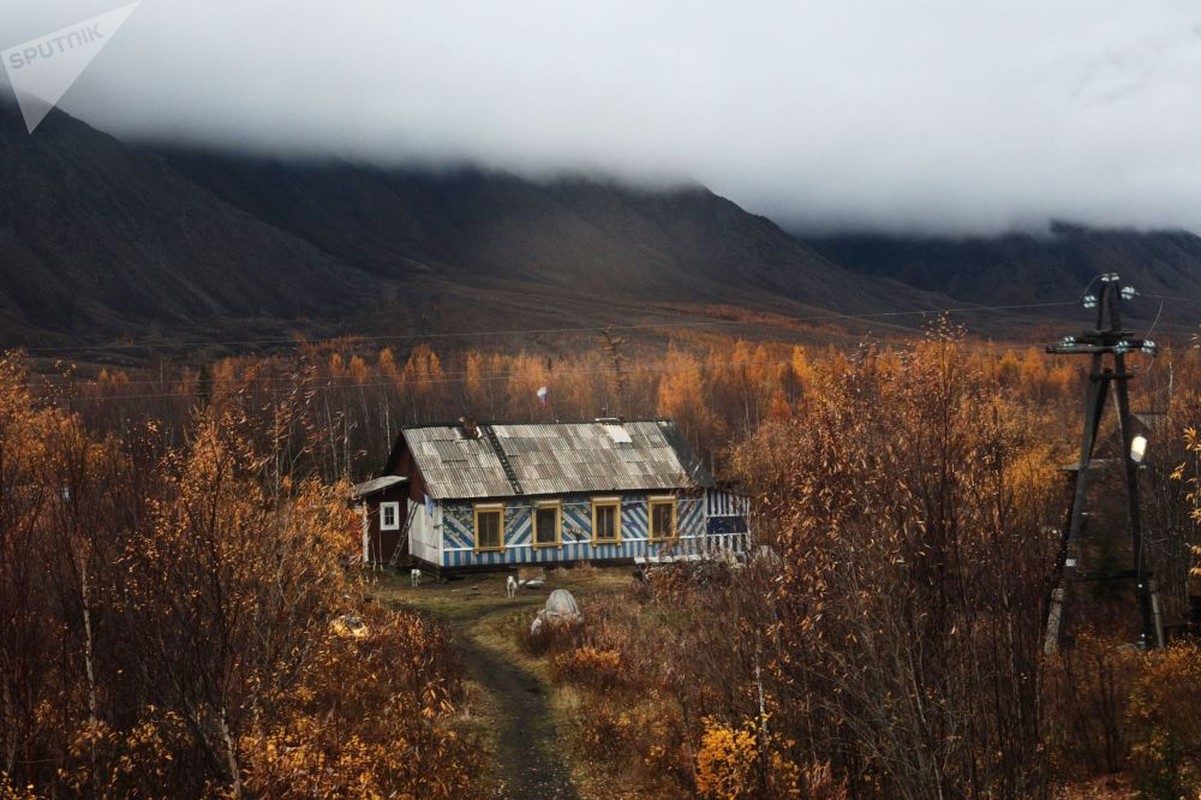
(651,533)
(543,505)
(607,502)
(490,508)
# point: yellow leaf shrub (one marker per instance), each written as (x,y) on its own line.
(590,667)
(725,764)
(1164,720)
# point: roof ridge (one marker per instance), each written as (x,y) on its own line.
(547,423)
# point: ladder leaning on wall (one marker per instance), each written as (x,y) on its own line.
(402,542)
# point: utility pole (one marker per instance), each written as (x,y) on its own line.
(1107,345)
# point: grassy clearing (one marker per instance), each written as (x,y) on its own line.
(477,605)
(474,596)
(482,616)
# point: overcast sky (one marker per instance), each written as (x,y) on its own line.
(934,116)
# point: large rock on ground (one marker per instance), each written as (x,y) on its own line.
(561,609)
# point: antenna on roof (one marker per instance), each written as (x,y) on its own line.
(471,430)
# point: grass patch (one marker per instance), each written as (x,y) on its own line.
(482,617)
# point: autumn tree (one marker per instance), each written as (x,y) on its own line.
(909,508)
(421,381)
(168,625)
(682,398)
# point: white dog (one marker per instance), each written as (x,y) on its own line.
(415,577)
(511,586)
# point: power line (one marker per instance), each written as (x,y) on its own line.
(1172,299)
(332,383)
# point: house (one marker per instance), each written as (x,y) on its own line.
(488,496)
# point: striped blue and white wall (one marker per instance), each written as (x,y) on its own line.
(727,521)
(694,524)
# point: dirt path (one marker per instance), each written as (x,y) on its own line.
(532,763)
(532,759)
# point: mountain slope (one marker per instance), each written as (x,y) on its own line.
(97,238)
(494,229)
(102,240)
(1017,268)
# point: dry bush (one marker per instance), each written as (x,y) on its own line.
(389,736)
(1086,691)
(1164,719)
(552,639)
(590,667)
(820,783)
(670,584)
(649,666)
(10,792)
(908,502)
(152,758)
(1112,708)
(748,761)
(726,764)
(167,627)
(642,734)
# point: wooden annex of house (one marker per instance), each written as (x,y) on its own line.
(491,496)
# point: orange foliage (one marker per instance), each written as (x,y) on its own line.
(682,398)
(167,617)
(726,762)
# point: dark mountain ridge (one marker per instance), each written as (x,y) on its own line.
(95,235)
(494,228)
(1020,268)
(102,241)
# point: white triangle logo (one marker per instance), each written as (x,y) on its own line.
(43,69)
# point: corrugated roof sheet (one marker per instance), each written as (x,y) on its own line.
(375,485)
(555,458)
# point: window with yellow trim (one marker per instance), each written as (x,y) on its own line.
(606,519)
(548,523)
(490,526)
(662,519)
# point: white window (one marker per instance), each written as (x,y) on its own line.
(389,516)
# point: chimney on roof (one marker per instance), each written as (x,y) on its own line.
(471,430)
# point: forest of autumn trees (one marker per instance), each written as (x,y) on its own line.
(175,550)
(889,644)
(168,609)
(720,390)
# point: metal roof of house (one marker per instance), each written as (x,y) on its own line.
(554,458)
(360,490)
